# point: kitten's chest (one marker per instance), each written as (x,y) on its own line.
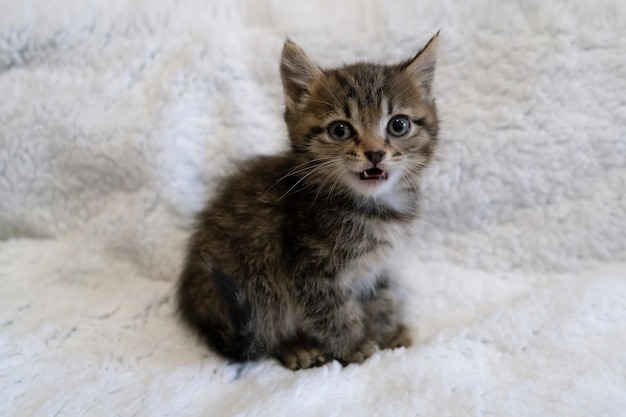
(371,238)
(361,273)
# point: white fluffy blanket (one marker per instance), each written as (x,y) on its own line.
(118,117)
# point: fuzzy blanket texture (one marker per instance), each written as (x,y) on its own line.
(118,118)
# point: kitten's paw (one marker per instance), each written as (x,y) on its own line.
(358,355)
(401,338)
(301,357)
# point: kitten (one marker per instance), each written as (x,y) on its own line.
(290,259)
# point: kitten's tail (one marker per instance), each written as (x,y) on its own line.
(211,302)
(238,342)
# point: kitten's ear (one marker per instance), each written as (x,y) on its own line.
(297,72)
(422,66)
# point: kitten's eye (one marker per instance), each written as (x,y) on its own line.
(340,130)
(398,126)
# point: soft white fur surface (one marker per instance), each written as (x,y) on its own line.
(117,118)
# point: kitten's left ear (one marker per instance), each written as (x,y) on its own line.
(422,66)
(297,72)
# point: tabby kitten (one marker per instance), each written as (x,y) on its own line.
(290,259)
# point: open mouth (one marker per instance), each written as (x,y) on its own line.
(373,174)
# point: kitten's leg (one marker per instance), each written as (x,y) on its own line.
(337,320)
(384,319)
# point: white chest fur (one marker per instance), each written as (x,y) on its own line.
(362,274)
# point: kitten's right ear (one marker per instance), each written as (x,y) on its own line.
(297,72)
(422,66)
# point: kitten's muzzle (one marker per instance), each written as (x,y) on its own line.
(374,173)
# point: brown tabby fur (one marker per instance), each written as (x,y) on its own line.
(290,259)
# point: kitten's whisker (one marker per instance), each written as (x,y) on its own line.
(298,169)
(335,175)
(412,177)
(417,167)
(330,92)
(413,182)
(335,161)
(313,171)
(310,162)
(439,157)
(321,102)
(319,189)
(304,169)
(332,188)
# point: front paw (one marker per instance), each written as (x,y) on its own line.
(301,357)
(401,338)
(359,354)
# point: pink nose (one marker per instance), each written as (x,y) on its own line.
(375,156)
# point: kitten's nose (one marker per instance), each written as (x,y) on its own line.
(375,156)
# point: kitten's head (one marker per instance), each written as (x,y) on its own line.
(366,128)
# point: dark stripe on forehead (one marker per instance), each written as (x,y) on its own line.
(371,87)
(379,100)
(346,85)
(346,109)
(371,94)
(366,86)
